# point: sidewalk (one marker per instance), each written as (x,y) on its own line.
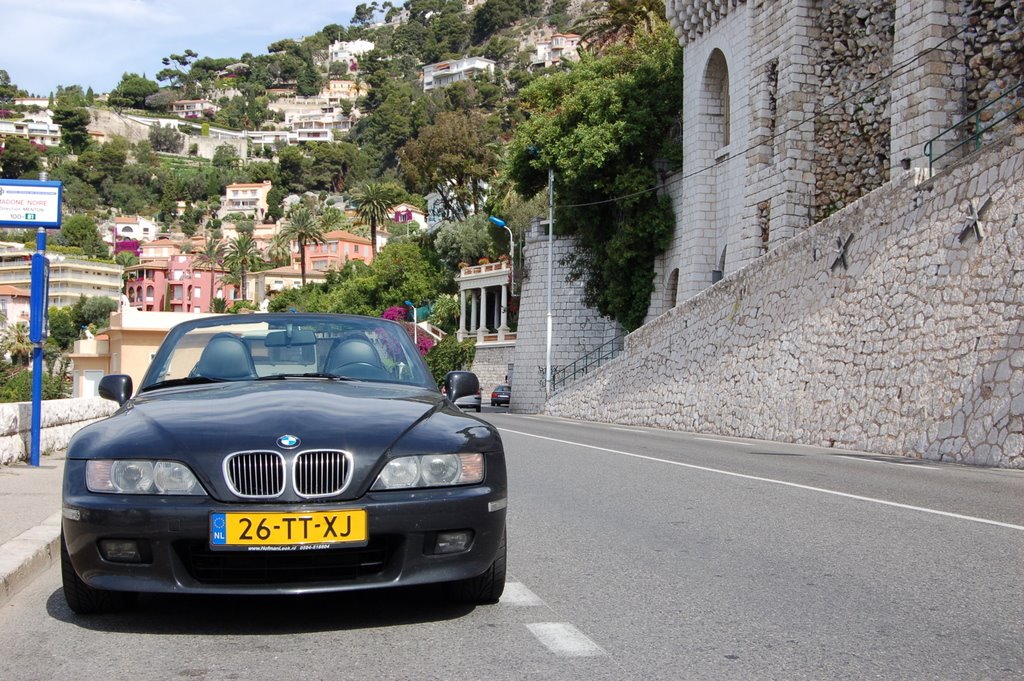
(30,530)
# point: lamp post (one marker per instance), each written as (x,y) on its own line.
(415,323)
(551,228)
(512,251)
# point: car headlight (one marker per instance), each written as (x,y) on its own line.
(128,476)
(431,470)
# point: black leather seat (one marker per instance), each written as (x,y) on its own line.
(352,351)
(226,358)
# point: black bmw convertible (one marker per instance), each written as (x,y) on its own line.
(283,454)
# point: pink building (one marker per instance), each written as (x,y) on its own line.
(14,304)
(175,284)
(338,248)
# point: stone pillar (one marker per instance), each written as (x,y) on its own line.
(926,95)
(462,314)
(473,319)
(482,329)
(504,311)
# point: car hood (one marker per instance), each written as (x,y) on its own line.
(199,425)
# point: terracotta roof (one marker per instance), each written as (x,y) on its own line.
(250,185)
(342,235)
(8,290)
(294,271)
(127,221)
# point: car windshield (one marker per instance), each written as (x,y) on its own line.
(283,346)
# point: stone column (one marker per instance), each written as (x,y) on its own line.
(504,312)
(926,96)
(483,316)
(462,314)
(474,320)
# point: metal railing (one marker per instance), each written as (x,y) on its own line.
(563,375)
(974,137)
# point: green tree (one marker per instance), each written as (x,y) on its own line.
(63,330)
(243,256)
(373,201)
(18,388)
(211,257)
(93,311)
(602,126)
(620,21)
(304,227)
(73,122)
(450,355)
(18,158)
(166,139)
(465,241)
(132,92)
(14,341)
(454,157)
(80,231)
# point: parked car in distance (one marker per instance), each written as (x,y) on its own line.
(501,395)
(283,454)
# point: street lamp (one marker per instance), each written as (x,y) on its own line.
(415,323)
(512,251)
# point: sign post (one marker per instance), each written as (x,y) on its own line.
(26,204)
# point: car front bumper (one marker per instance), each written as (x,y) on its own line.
(174,536)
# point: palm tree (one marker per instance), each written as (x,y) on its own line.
(304,226)
(280,250)
(617,21)
(14,341)
(243,255)
(210,258)
(373,202)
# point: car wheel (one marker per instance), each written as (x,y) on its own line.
(84,599)
(486,588)
(478,409)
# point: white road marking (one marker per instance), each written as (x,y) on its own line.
(728,442)
(888,463)
(772,481)
(517,594)
(564,639)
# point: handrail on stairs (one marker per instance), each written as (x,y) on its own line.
(563,375)
(979,130)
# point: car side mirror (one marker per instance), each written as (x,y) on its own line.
(116,387)
(460,384)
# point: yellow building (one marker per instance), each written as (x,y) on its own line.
(126,347)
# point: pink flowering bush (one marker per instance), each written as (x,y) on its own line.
(396,313)
(424,344)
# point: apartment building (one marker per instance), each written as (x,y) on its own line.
(561,46)
(38,131)
(70,277)
(265,284)
(445,73)
(193,108)
(249,199)
(14,304)
(348,50)
(175,283)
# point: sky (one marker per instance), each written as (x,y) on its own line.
(46,43)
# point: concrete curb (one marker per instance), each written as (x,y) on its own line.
(28,555)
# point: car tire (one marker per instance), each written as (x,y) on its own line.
(487,588)
(478,409)
(84,599)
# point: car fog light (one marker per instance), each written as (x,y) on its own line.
(121,550)
(453,542)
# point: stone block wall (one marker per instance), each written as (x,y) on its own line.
(490,364)
(60,420)
(916,349)
(576,329)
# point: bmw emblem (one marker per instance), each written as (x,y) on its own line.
(288,442)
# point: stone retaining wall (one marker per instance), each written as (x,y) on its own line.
(914,347)
(60,420)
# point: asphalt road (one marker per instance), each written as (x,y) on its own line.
(633,554)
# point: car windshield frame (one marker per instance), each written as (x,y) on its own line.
(289,346)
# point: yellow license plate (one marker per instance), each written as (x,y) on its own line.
(241,530)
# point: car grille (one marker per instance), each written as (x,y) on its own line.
(255,475)
(282,567)
(321,474)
